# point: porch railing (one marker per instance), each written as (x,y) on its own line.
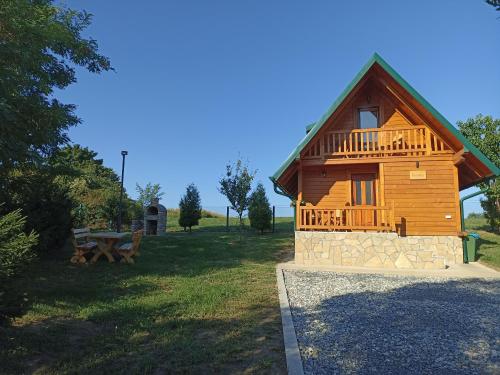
(378,142)
(375,218)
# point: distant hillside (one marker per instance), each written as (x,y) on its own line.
(174,212)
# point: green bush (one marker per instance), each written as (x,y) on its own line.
(44,203)
(259,210)
(475,215)
(93,188)
(211,214)
(174,213)
(16,247)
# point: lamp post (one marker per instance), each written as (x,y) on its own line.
(119,226)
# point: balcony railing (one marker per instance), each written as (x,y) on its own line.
(377,142)
(362,218)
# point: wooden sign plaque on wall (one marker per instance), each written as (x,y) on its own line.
(418,175)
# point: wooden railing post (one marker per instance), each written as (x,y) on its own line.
(393,221)
(298,214)
(428,146)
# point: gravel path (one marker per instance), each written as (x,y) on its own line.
(366,324)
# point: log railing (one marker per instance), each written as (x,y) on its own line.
(378,142)
(362,218)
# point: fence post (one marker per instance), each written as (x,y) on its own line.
(227,218)
(274,216)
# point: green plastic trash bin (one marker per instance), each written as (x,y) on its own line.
(472,242)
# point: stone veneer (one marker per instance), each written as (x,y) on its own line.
(380,250)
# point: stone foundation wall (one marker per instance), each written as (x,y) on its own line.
(379,250)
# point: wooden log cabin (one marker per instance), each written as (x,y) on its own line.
(376,180)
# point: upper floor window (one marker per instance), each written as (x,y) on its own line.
(368,118)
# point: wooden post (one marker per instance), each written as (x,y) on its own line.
(428,147)
(381,193)
(456,189)
(393,222)
(227,218)
(299,197)
(274,216)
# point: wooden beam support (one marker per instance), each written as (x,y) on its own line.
(396,95)
(381,179)
(298,219)
(459,158)
(456,189)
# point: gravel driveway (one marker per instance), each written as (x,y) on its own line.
(366,324)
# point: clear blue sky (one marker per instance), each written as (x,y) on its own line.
(199,83)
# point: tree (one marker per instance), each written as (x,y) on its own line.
(15,246)
(40,43)
(494,3)
(236,185)
(40,48)
(109,209)
(92,187)
(16,251)
(44,203)
(484,133)
(190,208)
(148,193)
(259,210)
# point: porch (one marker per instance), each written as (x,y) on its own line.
(349,218)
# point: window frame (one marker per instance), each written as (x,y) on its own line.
(369,109)
(361,179)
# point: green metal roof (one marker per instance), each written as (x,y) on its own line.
(315,127)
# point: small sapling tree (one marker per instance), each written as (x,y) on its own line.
(190,208)
(148,193)
(15,246)
(236,186)
(259,210)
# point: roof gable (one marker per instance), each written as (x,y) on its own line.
(314,128)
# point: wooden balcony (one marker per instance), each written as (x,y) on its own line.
(350,218)
(377,142)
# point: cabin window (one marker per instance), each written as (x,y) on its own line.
(368,118)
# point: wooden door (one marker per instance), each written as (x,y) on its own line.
(363,196)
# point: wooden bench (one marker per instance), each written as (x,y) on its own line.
(81,245)
(130,249)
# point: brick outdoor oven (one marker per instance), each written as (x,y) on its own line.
(155,219)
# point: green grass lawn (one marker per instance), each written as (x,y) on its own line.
(201,302)
(489,244)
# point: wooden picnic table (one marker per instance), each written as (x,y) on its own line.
(105,243)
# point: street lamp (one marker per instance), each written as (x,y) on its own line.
(119,226)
